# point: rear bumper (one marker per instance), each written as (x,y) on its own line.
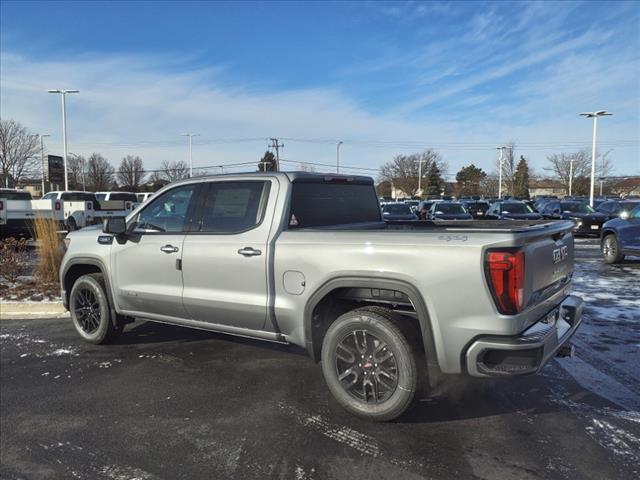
(528,352)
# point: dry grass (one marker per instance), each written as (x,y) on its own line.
(50,250)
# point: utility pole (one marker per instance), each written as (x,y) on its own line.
(594,115)
(63,94)
(190,135)
(338,156)
(277,146)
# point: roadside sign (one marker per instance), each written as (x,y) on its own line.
(56,169)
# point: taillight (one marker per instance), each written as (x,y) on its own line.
(57,207)
(505,273)
(1,205)
(89,205)
(128,205)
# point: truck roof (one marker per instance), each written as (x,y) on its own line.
(297,176)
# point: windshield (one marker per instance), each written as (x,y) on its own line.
(397,209)
(516,208)
(450,208)
(576,207)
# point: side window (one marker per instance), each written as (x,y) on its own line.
(233,207)
(49,196)
(167,213)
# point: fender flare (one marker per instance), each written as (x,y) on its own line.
(101,266)
(386,284)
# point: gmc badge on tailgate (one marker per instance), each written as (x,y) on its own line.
(559,254)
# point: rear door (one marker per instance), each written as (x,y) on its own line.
(224,262)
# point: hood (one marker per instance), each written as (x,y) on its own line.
(522,216)
(391,216)
(452,216)
(589,217)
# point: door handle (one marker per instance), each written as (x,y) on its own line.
(249,252)
(169,249)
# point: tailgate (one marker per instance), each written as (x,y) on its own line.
(548,264)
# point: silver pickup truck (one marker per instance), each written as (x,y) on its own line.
(306,259)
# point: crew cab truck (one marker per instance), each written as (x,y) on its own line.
(306,259)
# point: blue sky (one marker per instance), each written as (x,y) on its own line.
(384,78)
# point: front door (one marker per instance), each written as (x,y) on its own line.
(224,260)
(146,266)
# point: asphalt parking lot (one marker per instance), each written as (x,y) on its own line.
(172,403)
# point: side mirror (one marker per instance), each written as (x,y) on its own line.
(114,226)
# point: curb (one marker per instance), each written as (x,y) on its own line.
(32,310)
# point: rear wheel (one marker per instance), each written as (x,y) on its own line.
(90,311)
(369,365)
(72,226)
(611,249)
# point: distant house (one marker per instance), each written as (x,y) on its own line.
(546,186)
(625,187)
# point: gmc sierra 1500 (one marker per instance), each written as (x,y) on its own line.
(307,259)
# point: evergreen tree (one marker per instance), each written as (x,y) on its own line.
(469,180)
(267,162)
(435,182)
(521,179)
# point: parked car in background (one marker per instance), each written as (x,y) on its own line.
(398,211)
(115,204)
(477,208)
(586,219)
(413,204)
(617,208)
(423,209)
(448,211)
(79,207)
(511,210)
(621,236)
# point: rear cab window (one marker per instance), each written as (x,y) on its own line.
(322,203)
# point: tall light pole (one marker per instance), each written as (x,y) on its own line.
(570,174)
(338,156)
(501,150)
(420,162)
(63,95)
(190,135)
(42,158)
(594,115)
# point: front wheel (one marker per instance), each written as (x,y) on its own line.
(90,311)
(611,250)
(369,365)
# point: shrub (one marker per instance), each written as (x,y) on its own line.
(50,250)
(13,258)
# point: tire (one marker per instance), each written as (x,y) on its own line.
(90,310)
(72,226)
(377,386)
(611,249)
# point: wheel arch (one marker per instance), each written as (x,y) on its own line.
(313,341)
(78,267)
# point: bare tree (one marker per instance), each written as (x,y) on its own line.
(560,168)
(100,173)
(171,171)
(77,171)
(403,170)
(131,172)
(19,151)
(508,167)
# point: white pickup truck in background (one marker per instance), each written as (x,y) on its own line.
(18,210)
(114,204)
(78,208)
